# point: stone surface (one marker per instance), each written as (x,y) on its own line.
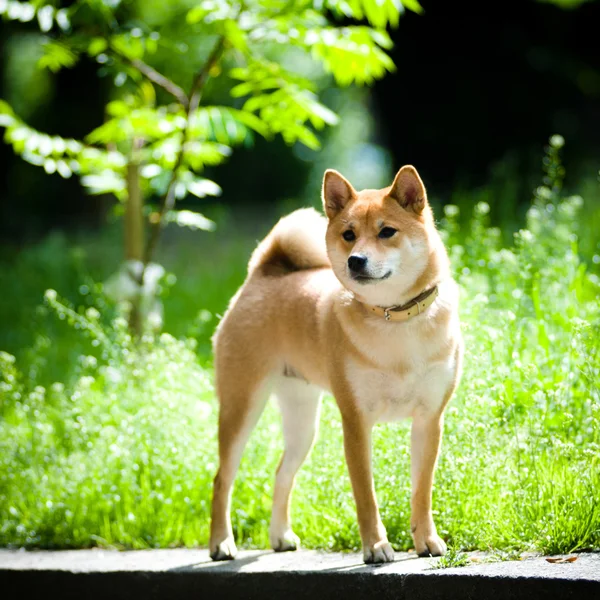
(157,574)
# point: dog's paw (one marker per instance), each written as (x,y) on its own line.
(226,550)
(286,541)
(430,545)
(381,552)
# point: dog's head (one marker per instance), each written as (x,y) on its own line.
(379,241)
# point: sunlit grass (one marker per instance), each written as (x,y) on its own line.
(122,452)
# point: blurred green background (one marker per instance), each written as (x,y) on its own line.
(477,92)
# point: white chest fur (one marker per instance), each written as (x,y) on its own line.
(410,366)
(387,396)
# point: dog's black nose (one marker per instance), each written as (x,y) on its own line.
(357,263)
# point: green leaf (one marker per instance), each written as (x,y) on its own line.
(413,5)
(187,218)
(50,166)
(211,11)
(306,137)
(282,101)
(62,19)
(225,125)
(17,11)
(110,132)
(235,36)
(57,56)
(63,169)
(379,13)
(203,187)
(25,12)
(97,46)
(7,115)
(103,172)
(59,145)
(242,89)
(249,120)
(127,45)
(198,154)
(6,120)
(45,17)
(263,74)
(353,54)
(107,181)
(33,159)
(150,171)
(118,108)
(45,145)
(38,146)
(320,113)
(287,111)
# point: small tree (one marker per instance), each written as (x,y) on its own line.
(159,144)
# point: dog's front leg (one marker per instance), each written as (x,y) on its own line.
(426,435)
(357,445)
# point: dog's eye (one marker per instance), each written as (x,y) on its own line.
(387,232)
(348,235)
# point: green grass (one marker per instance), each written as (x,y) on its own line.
(122,451)
(453,558)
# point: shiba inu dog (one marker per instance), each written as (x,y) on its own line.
(360,304)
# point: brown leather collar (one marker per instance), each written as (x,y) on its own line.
(405,311)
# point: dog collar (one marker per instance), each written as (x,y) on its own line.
(405,311)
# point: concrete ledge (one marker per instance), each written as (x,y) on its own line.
(180,573)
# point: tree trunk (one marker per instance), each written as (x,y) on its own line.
(134,236)
(134,215)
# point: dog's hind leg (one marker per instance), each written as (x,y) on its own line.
(242,399)
(299,402)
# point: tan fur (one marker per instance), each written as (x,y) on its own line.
(299,325)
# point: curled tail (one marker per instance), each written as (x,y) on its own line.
(296,242)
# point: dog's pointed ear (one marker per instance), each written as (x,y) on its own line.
(408,190)
(337,192)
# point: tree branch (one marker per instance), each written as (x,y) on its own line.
(203,74)
(158,78)
(192,106)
